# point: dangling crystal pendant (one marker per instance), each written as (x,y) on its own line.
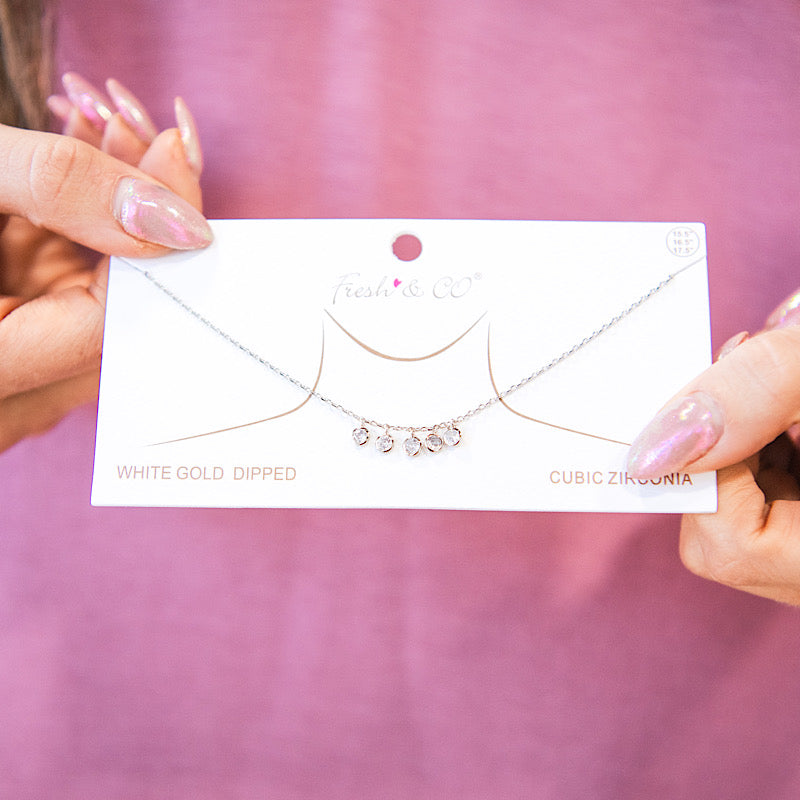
(452,436)
(412,445)
(384,443)
(361,436)
(434,442)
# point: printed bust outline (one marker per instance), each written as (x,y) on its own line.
(373,351)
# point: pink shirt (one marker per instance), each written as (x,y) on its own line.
(303,654)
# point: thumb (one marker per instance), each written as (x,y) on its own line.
(72,188)
(729,412)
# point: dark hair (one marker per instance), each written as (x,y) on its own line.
(25,62)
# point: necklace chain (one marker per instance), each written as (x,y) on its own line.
(411,429)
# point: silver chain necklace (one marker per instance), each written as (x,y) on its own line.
(432,438)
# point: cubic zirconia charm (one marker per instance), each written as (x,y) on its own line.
(360,436)
(384,443)
(452,436)
(412,445)
(434,442)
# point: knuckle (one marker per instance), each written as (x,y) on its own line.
(690,552)
(55,166)
(709,561)
(724,565)
(733,557)
(774,366)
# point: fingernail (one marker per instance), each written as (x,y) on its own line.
(87,99)
(189,135)
(60,107)
(786,314)
(155,214)
(732,344)
(132,111)
(681,433)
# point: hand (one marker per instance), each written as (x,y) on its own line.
(739,417)
(105,186)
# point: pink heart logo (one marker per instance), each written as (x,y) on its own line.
(397,282)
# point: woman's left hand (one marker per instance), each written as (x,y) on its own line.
(739,417)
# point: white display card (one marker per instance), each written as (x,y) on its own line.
(192,415)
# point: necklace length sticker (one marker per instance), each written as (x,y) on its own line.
(421,438)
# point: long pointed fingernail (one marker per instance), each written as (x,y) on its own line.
(87,99)
(732,344)
(682,432)
(786,314)
(60,107)
(132,111)
(189,136)
(155,214)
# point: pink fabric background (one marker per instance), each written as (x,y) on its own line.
(311,654)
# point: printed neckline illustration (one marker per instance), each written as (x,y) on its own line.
(432,438)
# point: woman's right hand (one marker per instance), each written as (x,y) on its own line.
(110,185)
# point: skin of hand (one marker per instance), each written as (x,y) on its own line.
(740,417)
(56,191)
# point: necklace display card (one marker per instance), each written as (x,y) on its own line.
(235,376)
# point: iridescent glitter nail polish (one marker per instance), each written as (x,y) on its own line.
(60,107)
(155,214)
(731,344)
(786,314)
(87,100)
(132,111)
(682,432)
(189,136)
